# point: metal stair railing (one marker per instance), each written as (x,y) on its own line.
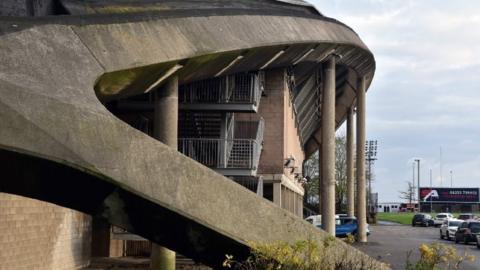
(241,88)
(240,153)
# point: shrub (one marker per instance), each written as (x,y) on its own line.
(304,255)
(438,256)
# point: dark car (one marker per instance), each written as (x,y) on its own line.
(422,220)
(467,216)
(467,232)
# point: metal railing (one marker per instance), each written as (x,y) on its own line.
(210,152)
(229,153)
(241,88)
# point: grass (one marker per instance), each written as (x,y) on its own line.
(403,217)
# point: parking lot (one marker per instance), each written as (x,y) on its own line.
(391,243)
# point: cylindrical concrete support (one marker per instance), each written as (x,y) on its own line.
(320,182)
(361,188)
(350,175)
(328,148)
(165,129)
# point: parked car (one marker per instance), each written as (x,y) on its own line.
(449,228)
(422,220)
(467,216)
(345,225)
(316,220)
(467,231)
(440,218)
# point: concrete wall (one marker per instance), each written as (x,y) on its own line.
(42,236)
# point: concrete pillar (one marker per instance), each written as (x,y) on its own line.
(328,148)
(350,175)
(277,194)
(361,188)
(320,182)
(165,129)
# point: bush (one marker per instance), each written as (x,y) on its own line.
(304,255)
(438,256)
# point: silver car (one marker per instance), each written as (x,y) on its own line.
(440,218)
(449,228)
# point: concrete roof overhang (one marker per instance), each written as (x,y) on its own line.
(50,111)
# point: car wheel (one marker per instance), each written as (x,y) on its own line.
(441,235)
(448,236)
(413,224)
(478,244)
(465,241)
(456,240)
(426,224)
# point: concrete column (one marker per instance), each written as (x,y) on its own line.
(165,129)
(277,194)
(328,148)
(320,182)
(361,188)
(350,175)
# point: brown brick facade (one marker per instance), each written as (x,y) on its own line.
(42,236)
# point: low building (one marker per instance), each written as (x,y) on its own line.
(388,207)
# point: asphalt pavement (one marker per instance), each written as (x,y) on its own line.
(390,243)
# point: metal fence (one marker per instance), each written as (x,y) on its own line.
(241,88)
(229,153)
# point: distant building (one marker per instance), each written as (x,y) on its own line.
(455,199)
(388,207)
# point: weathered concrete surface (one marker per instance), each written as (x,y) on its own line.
(62,145)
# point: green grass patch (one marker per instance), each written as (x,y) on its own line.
(402,218)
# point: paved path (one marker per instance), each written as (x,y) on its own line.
(390,243)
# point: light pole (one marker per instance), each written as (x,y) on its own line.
(418,182)
(370,157)
(431,187)
(451,178)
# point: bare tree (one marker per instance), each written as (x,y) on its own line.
(340,173)
(311,173)
(408,193)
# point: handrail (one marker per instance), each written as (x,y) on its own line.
(241,88)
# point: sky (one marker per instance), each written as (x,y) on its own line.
(425,95)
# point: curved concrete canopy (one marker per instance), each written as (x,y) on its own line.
(49,111)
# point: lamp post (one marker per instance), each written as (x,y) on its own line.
(418,182)
(370,157)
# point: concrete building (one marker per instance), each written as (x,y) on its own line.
(94,102)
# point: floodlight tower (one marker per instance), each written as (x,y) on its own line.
(370,157)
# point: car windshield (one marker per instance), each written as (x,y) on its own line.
(475,227)
(441,216)
(455,223)
(418,216)
(464,216)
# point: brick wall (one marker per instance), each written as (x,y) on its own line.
(42,236)
(27,7)
(272,110)
(13,8)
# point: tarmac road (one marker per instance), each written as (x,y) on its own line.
(391,243)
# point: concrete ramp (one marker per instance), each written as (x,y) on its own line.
(59,144)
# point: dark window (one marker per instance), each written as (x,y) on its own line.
(475,227)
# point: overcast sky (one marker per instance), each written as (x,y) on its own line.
(426,90)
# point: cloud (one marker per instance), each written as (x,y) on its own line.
(426,90)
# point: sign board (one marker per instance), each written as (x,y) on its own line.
(449,195)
